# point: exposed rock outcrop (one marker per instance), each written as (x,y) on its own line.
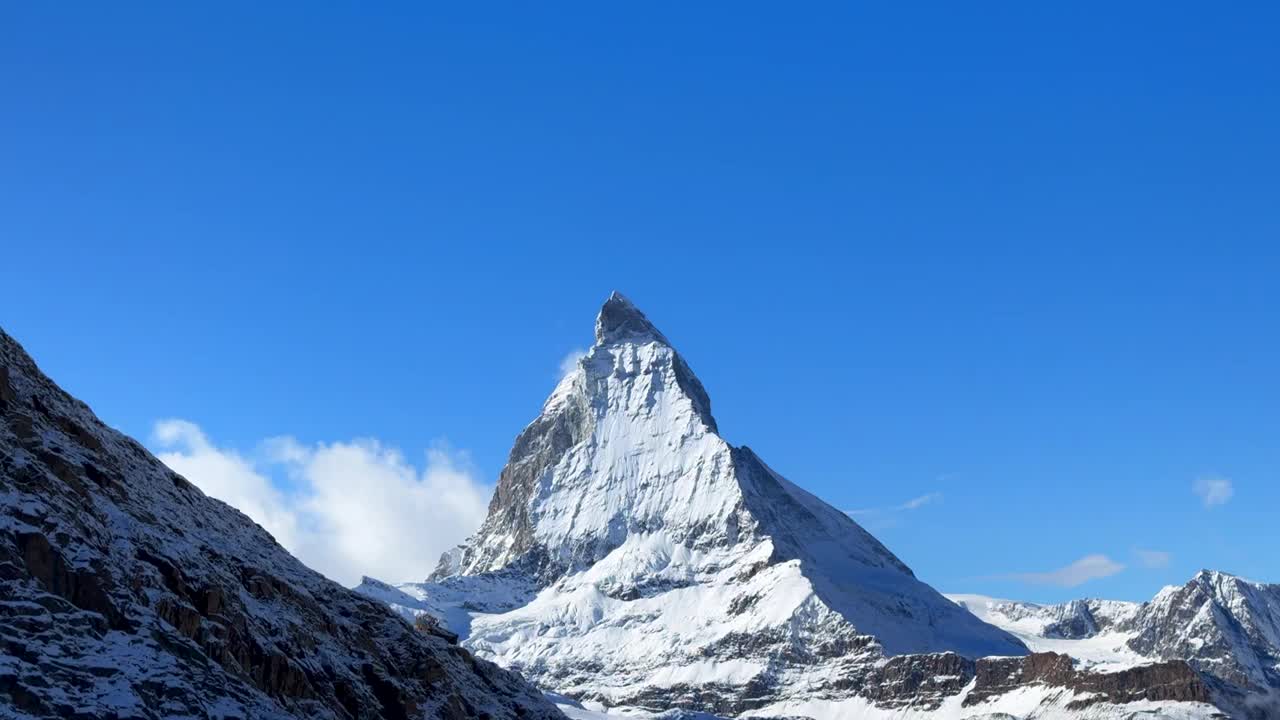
(127,593)
(1171,681)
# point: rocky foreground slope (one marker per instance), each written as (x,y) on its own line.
(127,593)
(634,559)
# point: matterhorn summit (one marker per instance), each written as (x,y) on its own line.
(632,556)
(624,497)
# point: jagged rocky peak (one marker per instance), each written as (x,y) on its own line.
(126,592)
(621,323)
(1224,624)
(620,320)
(610,454)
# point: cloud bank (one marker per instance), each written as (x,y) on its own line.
(346,509)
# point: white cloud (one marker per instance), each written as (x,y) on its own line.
(226,475)
(1089,567)
(570,361)
(352,508)
(1153,558)
(1214,490)
(919,502)
(914,503)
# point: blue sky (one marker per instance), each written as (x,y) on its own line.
(1005,283)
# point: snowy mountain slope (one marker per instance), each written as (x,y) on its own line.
(1091,631)
(632,557)
(624,467)
(1222,625)
(1071,620)
(127,593)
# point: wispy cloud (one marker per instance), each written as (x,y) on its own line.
(347,508)
(883,518)
(919,502)
(914,503)
(1152,558)
(1089,567)
(1214,490)
(570,361)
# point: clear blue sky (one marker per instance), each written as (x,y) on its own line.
(1026,258)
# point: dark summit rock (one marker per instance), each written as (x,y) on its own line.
(127,593)
(619,320)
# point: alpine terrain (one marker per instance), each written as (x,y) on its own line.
(633,560)
(127,593)
(1225,627)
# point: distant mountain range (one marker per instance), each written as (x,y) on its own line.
(1225,627)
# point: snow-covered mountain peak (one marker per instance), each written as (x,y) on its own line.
(626,454)
(625,445)
(631,552)
(1219,580)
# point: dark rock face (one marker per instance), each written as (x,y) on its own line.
(1173,680)
(1077,621)
(919,681)
(923,682)
(539,446)
(125,592)
(621,321)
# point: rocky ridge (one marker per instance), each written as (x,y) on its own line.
(125,592)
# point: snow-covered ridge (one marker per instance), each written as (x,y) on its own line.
(1094,632)
(1222,625)
(634,558)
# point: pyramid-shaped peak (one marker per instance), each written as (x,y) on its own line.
(620,320)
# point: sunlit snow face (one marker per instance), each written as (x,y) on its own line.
(650,461)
